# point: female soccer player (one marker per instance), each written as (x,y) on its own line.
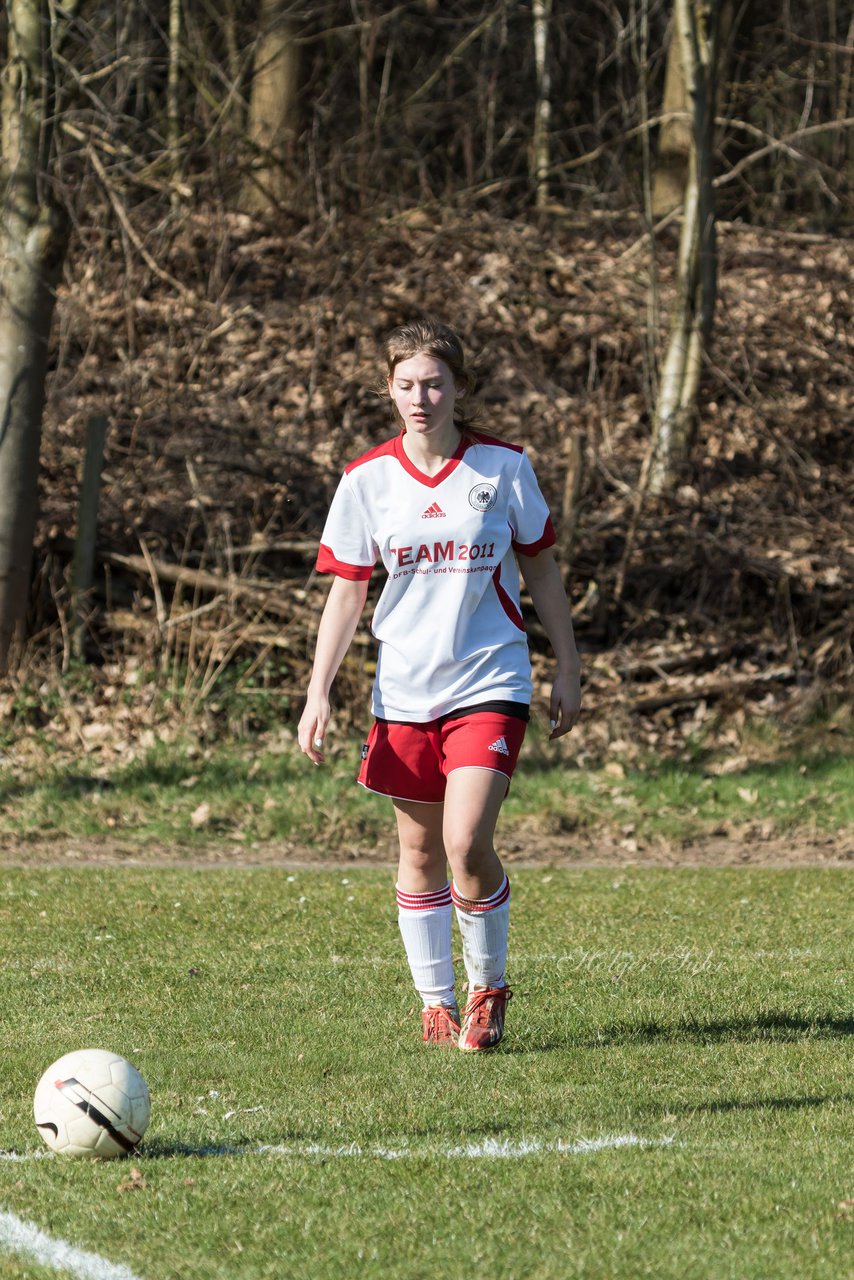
(453,514)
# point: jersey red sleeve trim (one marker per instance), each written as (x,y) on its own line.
(546,539)
(506,601)
(328,562)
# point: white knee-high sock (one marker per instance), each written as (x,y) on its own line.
(425,926)
(484,925)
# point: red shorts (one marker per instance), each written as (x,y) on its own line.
(412,761)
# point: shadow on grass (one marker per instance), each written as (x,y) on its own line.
(819,765)
(777,1027)
(292,1144)
(163,1149)
(158,1150)
(157,773)
(774,1028)
(766,1104)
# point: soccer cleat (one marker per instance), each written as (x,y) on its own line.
(441,1024)
(483,1020)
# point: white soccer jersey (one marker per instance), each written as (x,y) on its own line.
(448,621)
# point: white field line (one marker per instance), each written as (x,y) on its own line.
(27,1241)
(488,1149)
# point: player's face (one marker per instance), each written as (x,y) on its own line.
(424,394)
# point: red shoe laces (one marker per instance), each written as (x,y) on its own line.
(479,1007)
(442,1022)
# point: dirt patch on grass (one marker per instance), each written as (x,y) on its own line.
(738,850)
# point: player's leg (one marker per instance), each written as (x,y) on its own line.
(481,896)
(480,753)
(425,915)
(473,800)
(403,761)
(481,891)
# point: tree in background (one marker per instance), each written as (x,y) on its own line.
(186,110)
(540,149)
(675,418)
(273,108)
(675,137)
(33,242)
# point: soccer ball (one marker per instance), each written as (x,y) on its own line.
(92,1103)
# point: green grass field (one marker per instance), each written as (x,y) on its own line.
(252,794)
(673,1097)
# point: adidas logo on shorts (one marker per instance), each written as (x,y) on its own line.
(500,746)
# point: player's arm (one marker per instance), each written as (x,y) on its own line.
(545,586)
(338,623)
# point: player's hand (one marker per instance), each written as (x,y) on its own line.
(312,729)
(565,703)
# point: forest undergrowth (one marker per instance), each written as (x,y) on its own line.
(236,360)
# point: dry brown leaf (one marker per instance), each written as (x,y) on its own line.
(201,815)
(134,1182)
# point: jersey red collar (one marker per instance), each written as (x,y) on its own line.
(429,481)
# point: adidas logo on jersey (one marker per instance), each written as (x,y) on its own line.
(433,512)
(500,746)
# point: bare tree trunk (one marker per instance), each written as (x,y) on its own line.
(675,418)
(33,240)
(676,135)
(540,150)
(173,95)
(273,107)
(572,490)
(845,144)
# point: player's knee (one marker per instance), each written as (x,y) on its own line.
(467,851)
(422,857)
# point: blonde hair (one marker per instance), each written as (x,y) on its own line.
(432,338)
